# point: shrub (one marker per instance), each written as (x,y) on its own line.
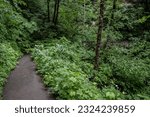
(8,60)
(112,94)
(130,73)
(58,62)
(103,76)
(13,27)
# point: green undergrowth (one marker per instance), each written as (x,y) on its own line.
(67,67)
(15,33)
(9,54)
(130,69)
(14,27)
(63,70)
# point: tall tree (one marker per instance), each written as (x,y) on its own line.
(48,10)
(99,35)
(56,11)
(113,10)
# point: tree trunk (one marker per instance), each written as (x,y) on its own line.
(48,10)
(56,11)
(113,10)
(99,35)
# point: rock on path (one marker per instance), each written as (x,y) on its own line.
(24,84)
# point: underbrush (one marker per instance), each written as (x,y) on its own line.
(14,27)
(15,33)
(61,65)
(130,69)
(9,54)
(67,67)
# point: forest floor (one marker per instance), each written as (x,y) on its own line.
(24,83)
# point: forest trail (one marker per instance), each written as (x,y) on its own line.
(24,84)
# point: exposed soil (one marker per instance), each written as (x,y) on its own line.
(24,83)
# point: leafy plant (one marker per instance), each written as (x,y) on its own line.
(58,62)
(8,60)
(130,67)
(112,94)
(13,26)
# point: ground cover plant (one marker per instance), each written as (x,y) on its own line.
(9,57)
(15,33)
(64,72)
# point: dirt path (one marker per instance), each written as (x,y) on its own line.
(24,84)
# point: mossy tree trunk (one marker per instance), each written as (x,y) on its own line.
(99,36)
(56,12)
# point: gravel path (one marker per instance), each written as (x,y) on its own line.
(24,84)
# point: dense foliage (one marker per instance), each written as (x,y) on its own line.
(14,36)
(130,69)
(66,73)
(13,27)
(8,60)
(63,36)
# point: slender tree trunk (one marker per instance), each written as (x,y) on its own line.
(99,35)
(56,11)
(113,10)
(48,10)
